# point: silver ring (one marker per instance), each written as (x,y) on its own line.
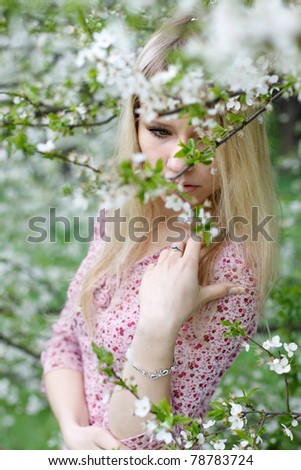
(176,248)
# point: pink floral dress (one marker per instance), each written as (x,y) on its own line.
(200,363)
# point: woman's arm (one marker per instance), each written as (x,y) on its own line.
(65,392)
(152,351)
(169,295)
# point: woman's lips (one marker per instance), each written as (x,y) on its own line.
(189,188)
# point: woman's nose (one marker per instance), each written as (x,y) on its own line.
(176,164)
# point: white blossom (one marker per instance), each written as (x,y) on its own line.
(236,423)
(209,424)
(187,214)
(151,426)
(233,103)
(164,77)
(153,193)
(142,407)
(280,366)
(290,348)
(201,439)
(219,444)
(104,38)
(236,416)
(287,432)
(186,7)
(274,343)
(236,409)
(184,440)
(214,231)
(138,158)
(173,202)
(18,99)
(47,147)
(241,445)
(81,109)
(207,203)
(244,443)
(257,439)
(163,435)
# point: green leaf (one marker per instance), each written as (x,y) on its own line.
(21,143)
(103,356)
(207,238)
(159,166)
(234,329)
(67,189)
(180,154)
(251,392)
(181,419)
(242,435)
(218,411)
(162,409)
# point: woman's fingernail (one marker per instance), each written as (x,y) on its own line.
(237,290)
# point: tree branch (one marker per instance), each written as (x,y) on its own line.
(66,126)
(11,343)
(65,158)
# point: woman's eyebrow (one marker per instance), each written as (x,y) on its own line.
(159,123)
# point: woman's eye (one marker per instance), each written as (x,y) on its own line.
(158,132)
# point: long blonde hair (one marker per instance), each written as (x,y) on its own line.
(245,177)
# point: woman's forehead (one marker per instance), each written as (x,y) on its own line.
(177,123)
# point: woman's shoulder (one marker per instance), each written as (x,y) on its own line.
(231,263)
(231,252)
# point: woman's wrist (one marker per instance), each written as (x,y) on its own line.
(154,374)
(152,350)
(165,329)
(69,424)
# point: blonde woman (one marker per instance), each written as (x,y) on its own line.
(162,299)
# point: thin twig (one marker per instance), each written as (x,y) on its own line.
(68,126)
(268,414)
(11,343)
(65,158)
(287,394)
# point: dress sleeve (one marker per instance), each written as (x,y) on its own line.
(62,350)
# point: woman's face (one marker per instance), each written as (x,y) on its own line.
(160,138)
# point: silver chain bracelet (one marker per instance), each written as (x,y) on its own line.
(151,375)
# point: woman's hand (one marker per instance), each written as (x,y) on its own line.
(170,292)
(90,438)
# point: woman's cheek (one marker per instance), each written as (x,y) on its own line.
(155,152)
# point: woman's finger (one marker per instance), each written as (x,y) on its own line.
(192,250)
(163,255)
(216,291)
(177,249)
(105,440)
